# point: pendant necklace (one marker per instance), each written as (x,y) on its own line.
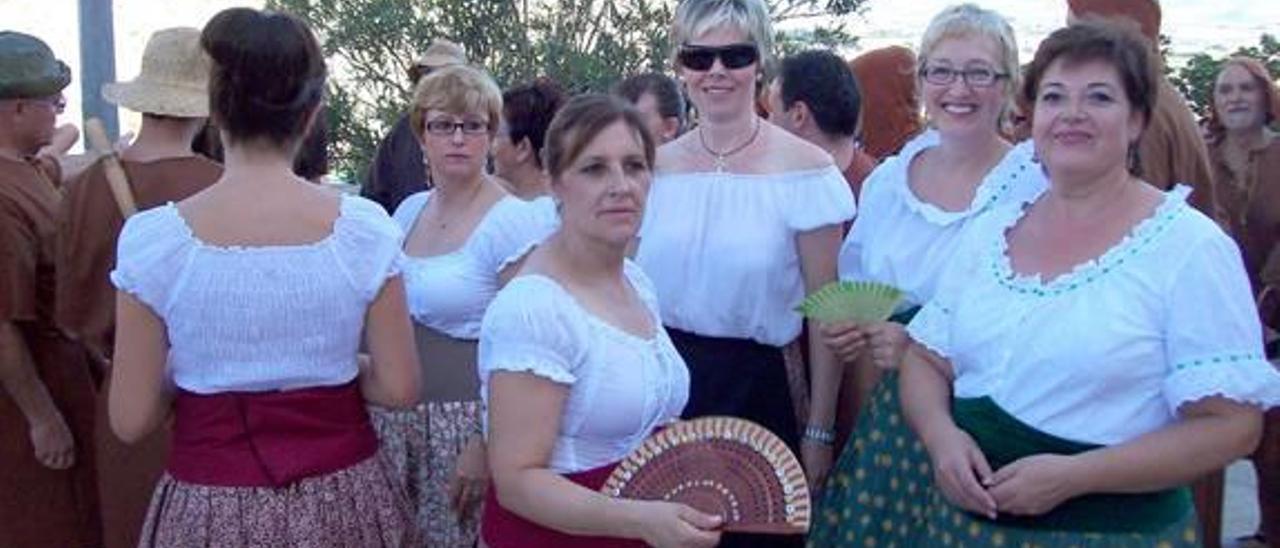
(722,157)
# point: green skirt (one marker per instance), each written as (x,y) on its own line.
(879,491)
(1164,519)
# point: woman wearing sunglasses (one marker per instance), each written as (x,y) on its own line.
(914,207)
(743,219)
(460,237)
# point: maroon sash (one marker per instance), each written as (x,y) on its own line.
(500,528)
(268,439)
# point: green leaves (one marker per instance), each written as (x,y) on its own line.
(585,45)
(1196,79)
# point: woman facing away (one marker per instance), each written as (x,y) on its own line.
(576,368)
(1090,353)
(240,311)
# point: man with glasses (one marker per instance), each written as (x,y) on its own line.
(46,396)
(398,168)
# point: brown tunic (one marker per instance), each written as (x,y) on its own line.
(1248,196)
(1173,152)
(89,225)
(40,506)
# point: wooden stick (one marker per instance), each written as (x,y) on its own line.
(116,177)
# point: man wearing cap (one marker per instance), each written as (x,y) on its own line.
(171,93)
(398,168)
(48,494)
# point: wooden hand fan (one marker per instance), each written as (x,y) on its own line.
(720,465)
(857,301)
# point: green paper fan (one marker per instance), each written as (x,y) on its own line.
(857,301)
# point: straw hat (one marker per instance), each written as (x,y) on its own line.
(441,53)
(174,80)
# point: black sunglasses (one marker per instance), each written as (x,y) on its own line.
(733,56)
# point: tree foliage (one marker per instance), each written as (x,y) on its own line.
(582,44)
(1196,79)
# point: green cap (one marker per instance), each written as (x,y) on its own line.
(28,67)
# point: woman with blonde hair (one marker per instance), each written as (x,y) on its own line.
(914,207)
(744,219)
(461,238)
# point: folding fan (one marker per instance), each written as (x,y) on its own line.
(857,301)
(720,465)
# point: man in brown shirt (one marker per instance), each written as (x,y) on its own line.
(47,483)
(171,93)
(1246,162)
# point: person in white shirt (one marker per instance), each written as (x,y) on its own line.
(240,312)
(744,218)
(912,210)
(460,238)
(1089,354)
(576,368)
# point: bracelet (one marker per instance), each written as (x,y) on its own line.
(825,436)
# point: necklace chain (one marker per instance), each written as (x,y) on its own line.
(722,157)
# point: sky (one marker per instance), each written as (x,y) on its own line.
(1213,26)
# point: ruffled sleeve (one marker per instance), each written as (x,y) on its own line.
(407,212)
(151,254)
(1213,338)
(367,243)
(817,198)
(516,227)
(531,328)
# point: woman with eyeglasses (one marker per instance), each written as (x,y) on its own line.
(1090,353)
(914,207)
(461,237)
(744,219)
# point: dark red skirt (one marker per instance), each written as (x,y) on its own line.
(268,439)
(501,528)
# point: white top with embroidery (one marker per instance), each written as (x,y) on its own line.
(449,292)
(721,248)
(906,242)
(621,387)
(1111,350)
(258,318)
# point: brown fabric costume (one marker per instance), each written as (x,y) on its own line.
(89,225)
(40,506)
(890,108)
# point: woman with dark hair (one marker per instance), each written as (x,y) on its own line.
(239,314)
(1090,353)
(576,367)
(517,148)
(1245,156)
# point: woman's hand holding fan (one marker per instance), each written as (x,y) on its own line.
(723,466)
(852,320)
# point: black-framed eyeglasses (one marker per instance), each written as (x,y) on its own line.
(445,128)
(978,77)
(732,56)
